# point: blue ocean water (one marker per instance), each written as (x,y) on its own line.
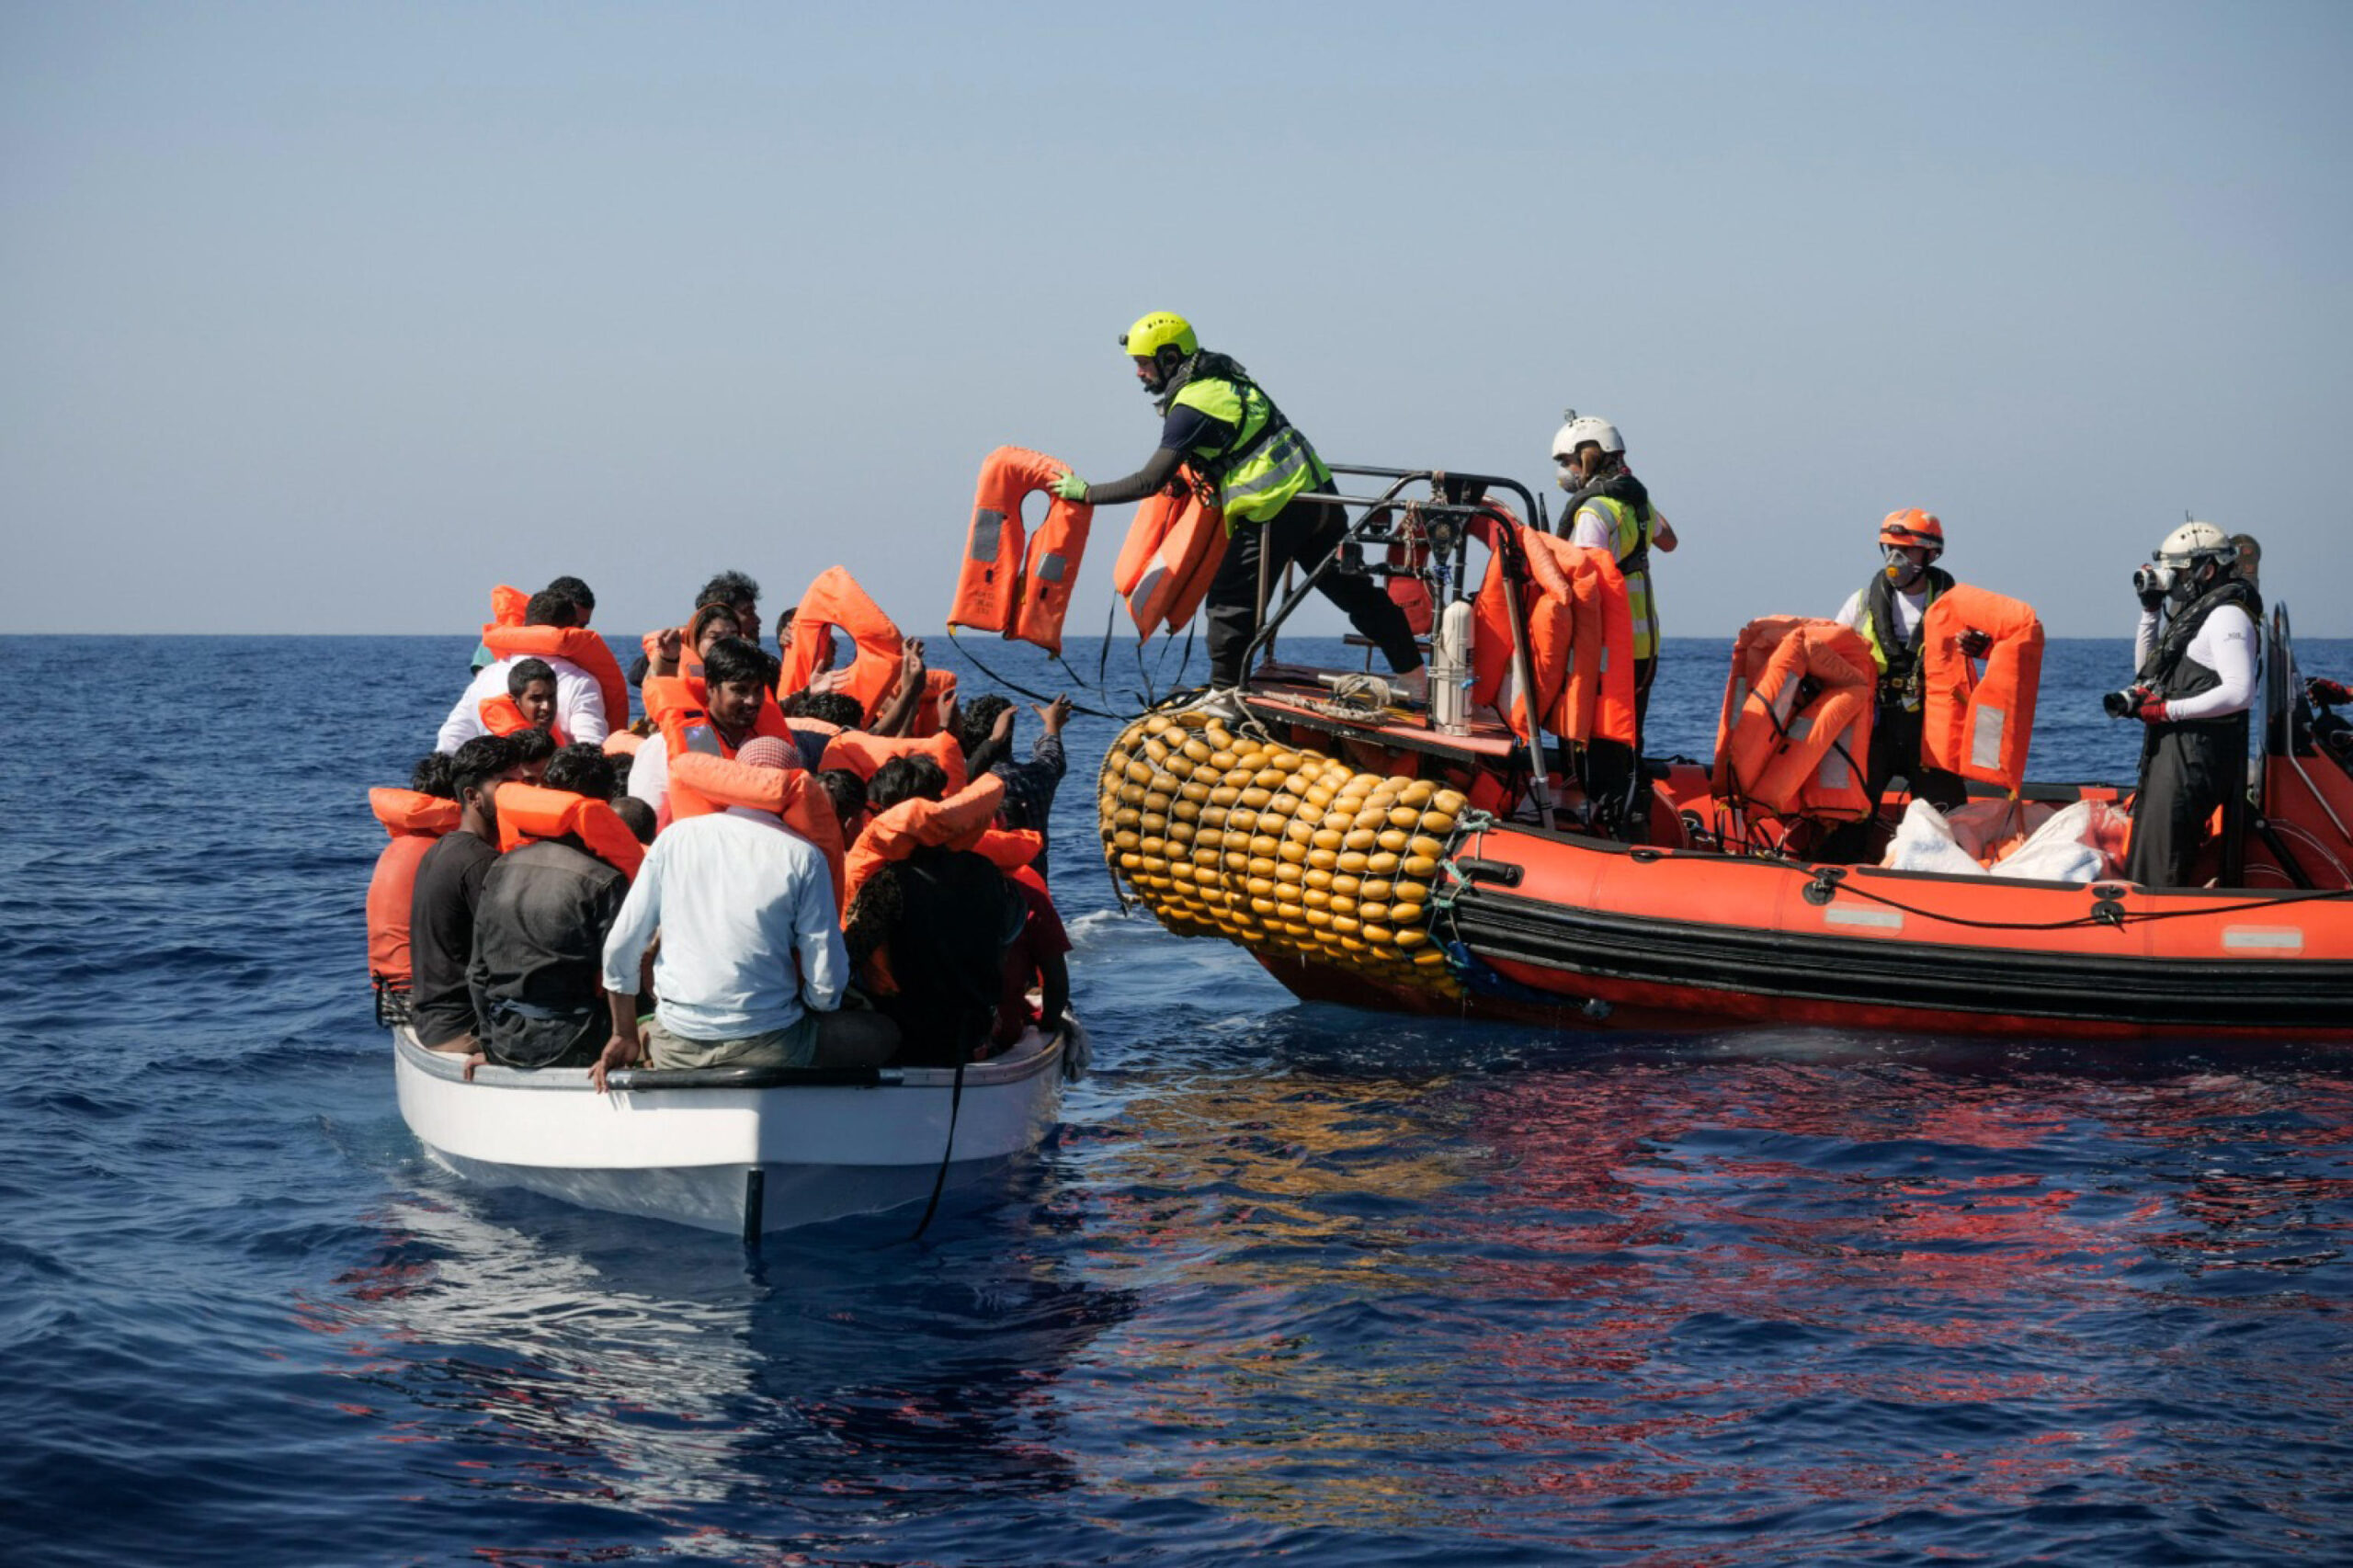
(1291,1280)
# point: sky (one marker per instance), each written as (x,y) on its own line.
(327,318)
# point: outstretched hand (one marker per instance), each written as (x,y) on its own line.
(1054,715)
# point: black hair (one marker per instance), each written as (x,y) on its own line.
(731,660)
(531,745)
(623,762)
(582,767)
(795,706)
(845,789)
(431,777)
(905,778)
(636,815)
(728,588)
(975,719)
(776,668)
(481,760)
(833,707)
(549,607)
(578,592)
(525,671)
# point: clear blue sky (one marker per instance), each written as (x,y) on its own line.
(328,317)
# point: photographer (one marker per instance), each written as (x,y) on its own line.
(2195,686)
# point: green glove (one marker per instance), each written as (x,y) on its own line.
(1070,487)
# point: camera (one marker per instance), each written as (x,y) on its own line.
(2120,704)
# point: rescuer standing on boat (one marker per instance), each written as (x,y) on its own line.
(2196,683)
(1265,477)
(1609,509)
(1890,611)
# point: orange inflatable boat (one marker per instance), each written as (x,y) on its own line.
(1376,856)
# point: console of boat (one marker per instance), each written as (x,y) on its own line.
(1458,860)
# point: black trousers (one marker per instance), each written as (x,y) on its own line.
(1895,748)
(1303,532)
(2186,772)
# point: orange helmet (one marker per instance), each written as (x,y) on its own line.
(1912,527)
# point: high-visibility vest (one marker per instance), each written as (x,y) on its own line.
(1630,541)
(1901,677)
(1264,464)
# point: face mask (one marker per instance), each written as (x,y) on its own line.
(1902,570)
(2184,586)
(1566,477)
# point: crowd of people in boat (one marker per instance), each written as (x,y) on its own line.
(784,861)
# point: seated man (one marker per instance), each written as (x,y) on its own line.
(448,884)
(939,921)
(539,931)
(529,702)
(580,703)
(847,792)
(983,729)
(738,593)
(750,971)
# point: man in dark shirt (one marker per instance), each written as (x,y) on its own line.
(983,729)
(540,936)
(448,883)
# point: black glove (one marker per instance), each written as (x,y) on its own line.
(1976,644)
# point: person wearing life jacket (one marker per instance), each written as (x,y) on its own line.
(738,592)
(584,607)
(2197,652)
(1609,509)
(529,702)
(719,719)
(707,625)
(941,918)
(448,888)
(534,749)
(416,817)
(1266,478)
(750,971)
(983,729)
(539,929)
(1890,611)
(580,704)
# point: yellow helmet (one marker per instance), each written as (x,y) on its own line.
(1156,331)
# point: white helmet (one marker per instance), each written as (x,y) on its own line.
(2193,541)
(1578,430)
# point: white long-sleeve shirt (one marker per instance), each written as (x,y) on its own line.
(2225,644)
(737,898)
(579,704)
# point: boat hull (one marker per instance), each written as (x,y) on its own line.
(822,1151)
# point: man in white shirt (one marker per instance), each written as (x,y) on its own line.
(752,970)
(2196,683)
(579,702)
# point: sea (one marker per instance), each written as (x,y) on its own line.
(1290,1282)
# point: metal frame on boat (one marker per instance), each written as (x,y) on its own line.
(741,1150)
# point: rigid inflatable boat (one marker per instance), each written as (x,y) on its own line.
(1465,861)
(741,1150)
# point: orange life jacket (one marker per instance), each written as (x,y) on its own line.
(790,793)
(416,821)
(1797,761)
(669,696)
(528,812)
(1580,635)
(931,711)
(1172,551)
(1980,726)
(959,821)
(1001,586)
(503,716)
(508,638)
(862,754)
(834,599)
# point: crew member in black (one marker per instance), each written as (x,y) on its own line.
(2195,684)
(1244,456)
(449,885)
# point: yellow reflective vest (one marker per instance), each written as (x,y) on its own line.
(1631,532)
(1265,462)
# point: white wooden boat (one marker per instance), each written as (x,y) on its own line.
(741,1150)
